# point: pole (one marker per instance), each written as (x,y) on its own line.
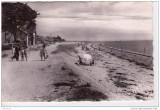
(144,49)
(12,49)
(27,40)
(34,39)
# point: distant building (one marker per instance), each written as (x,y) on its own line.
(26,35)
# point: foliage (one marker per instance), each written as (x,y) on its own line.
(55,39)
(58,39)
(15,15)
(50,39)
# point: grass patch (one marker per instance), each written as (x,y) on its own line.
(87,94)
(67,48)
(63,84)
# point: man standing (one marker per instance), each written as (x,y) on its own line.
(43,53)
(17,49)
(24,53)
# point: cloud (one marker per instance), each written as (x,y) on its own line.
(92,10)
(88,20)
(60,25)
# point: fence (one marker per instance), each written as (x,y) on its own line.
(138,58)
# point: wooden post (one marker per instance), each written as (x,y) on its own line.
(121,48)
(12,49)
(111,50)
(122,51)
(5,36)
(27,40)
(34,38)
(144,49)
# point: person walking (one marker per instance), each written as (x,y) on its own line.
(23,53)
(13,52)
(17,50)
(43,53)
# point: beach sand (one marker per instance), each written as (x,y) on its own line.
(60,79)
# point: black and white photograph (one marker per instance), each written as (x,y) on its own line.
(77,51)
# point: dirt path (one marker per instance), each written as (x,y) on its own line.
(24,80)
(56,79)
(60,79)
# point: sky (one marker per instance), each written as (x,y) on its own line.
(94,21)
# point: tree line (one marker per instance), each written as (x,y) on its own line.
(50,39)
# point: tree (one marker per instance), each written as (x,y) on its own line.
(15,15)
(59,39)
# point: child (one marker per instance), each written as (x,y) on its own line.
(43,53)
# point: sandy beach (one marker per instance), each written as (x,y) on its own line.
(59,78)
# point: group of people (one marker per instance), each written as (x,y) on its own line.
(19,50)
(83,45)
(23,50)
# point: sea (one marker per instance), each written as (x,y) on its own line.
(141,46)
